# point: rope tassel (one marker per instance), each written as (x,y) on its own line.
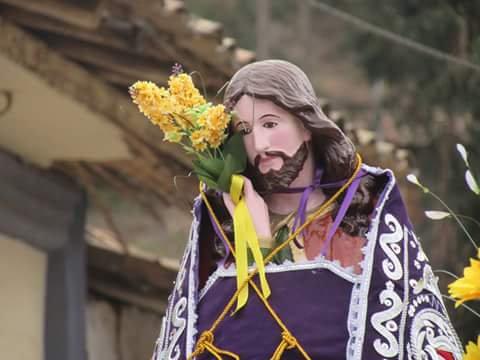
(205,342)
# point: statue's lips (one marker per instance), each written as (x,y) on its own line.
(266,161)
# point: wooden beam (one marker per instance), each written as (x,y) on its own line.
(143,42)
(103,36)
(137,270)
(73,81)
(121,187)
(112,61)
(83,175)
(156,304)
(61,11)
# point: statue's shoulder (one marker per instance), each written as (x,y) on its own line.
(381,180)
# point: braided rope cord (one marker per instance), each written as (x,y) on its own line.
(206,339)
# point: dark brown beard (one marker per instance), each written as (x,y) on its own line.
(275,180)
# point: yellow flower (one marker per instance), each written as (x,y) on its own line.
(468,287)
(185,93)
(218,118)
(473,350)
(184,120)
(153,102)
(174,110)
(214,120)
(214,138)
(198,140)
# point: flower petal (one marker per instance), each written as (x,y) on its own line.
(413,179)
(436,215)
(471,182)
(463,153)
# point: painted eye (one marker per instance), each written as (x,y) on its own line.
(270,124)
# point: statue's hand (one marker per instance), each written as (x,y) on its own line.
(256,206)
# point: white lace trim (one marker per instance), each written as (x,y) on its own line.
(192,314)
(406,295)
(319,263)
(359,301)
(165,330)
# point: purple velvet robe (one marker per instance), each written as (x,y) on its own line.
(392,310)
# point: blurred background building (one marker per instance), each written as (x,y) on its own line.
(92,223)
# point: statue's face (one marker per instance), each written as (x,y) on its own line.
(268,133)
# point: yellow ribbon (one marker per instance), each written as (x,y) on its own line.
(245,236)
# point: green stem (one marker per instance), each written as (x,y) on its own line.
(221,154)
(210,153)
(447,272)
(455,217)
(470,218)
(189,149)
(463,305)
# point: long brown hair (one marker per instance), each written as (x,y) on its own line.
(286,85)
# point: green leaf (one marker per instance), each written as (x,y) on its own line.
(201,172)
(211,166)
(224,178)
(207,180)
(286,252)
(234,147)
(197,110)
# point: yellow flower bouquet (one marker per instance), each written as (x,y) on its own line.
(200,127)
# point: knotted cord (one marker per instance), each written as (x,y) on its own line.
(206,339)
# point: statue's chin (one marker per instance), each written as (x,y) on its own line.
(276,180)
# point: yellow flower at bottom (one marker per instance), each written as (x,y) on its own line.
(468,287)
(473,350)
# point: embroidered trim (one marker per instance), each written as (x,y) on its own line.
(389,298)
(353,313)
(406,294)
(358,315)
(179,325)
(192,286)
(210,281)
(431,330)
(323,263)
(393,270)
(160,341)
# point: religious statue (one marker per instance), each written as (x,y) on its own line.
(311,255)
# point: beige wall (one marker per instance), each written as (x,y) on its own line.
(44,125)
(22,300)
